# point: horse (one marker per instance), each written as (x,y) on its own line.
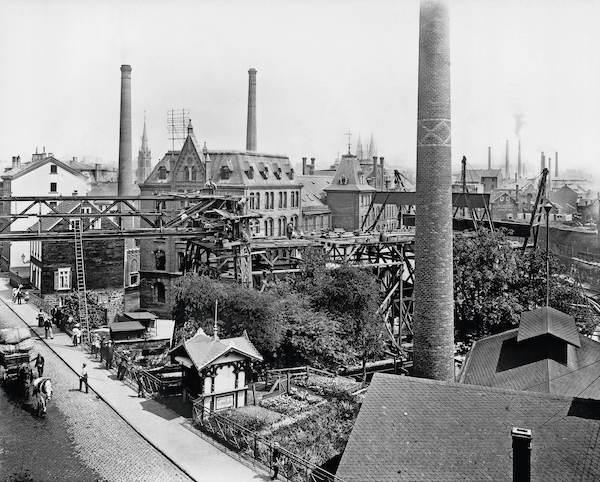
(24,377)
(42,394)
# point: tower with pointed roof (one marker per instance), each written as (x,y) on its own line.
(144,163)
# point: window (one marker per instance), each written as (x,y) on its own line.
(134,275)
(53,187)
(257,200)
(280,200)
(225,172)
(159,292)
(160,258)
(186,173)
(161,205)
(52,204)
(62,279)
(285,199)
(181,261)
(194,174)
(162,172)
(73,224)
(251,200)
(96,222)
(53,169)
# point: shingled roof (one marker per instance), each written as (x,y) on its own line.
(415,429)
(538,356)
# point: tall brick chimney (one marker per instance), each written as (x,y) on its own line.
(519,166)
(125,186)
(434,304)
(556,164)
(304,170)
(489,157)
(251,125)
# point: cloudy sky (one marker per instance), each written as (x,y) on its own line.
(324,68)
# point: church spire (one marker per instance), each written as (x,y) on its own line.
(144,164)
(371,149)
(359,149)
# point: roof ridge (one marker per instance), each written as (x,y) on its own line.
(479,388)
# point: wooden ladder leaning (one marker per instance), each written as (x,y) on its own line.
(81,286)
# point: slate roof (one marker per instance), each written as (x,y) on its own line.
(501,361)
(416,429)
(313,193)
(547,320)
(203,349)
(127,326)
(67,207)
(349,176)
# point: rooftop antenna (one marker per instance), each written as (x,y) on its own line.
(349,134)
(177,125)
(215,327)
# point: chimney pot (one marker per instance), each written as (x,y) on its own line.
(304,170)
(521,444)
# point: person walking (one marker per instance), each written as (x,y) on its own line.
(83,378)
(40,318)
(109,352)
(96,345)
(48,327)
(140,385)
(14,294)
(275,460)
(102,349)
(53,314)
(39,364)
(19,296)
(59,317)
(76,334)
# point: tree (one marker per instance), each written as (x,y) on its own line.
(494,283)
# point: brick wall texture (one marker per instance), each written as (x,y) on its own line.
(434,317)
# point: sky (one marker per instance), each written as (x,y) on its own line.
(324,69)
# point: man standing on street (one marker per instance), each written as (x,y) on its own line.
(83,378)
(39,364)
(48,327)
(40,318)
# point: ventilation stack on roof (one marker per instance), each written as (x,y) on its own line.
(251,125)
(304,170)
(312,166)
(434,303)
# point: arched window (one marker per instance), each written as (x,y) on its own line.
(159,292)
(194,173)
(251,200)
(160,258)
(266,227)
(257,200)
(270,227)
(162,172)
(186,173)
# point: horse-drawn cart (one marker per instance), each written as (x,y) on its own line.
(10,364)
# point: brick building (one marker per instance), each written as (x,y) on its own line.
(267,183)
(53,268)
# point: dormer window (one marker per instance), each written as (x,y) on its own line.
(250,172)
(265,172)
(277,173)
(343,180)
(225,172)
(291,173)
(162,172)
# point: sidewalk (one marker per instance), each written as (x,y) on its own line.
(170,433)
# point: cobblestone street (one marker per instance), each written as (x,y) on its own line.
(81,438)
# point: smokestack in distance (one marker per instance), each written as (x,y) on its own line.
(251,125)
(519,166)
(434,302)
(521,445)
(556,164)
(542,162)
(489,157)
(507,163)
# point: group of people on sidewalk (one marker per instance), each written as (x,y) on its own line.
(19,294)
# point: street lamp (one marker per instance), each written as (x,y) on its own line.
(547,207)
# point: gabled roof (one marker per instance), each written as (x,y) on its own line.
(416,429)
(31,166)
(203,349)
(547,320)
(127,326)
(65,207)
(349,176)
(313,193)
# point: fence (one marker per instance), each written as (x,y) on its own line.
(297,373)
(250,444)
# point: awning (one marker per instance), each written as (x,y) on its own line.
(127,326)
(185,361)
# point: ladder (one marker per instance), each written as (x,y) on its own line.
(81,287)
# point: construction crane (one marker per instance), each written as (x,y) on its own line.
(537,211)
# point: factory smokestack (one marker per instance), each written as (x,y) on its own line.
(556,165)
(519,166)
(251,125)
(542,162)
(489,157)
(506,161)
(125,185)
(434,304)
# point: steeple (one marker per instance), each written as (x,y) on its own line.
(371,149)
(144,164)
(359,149)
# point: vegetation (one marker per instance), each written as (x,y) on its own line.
(96,313)
(494,283)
